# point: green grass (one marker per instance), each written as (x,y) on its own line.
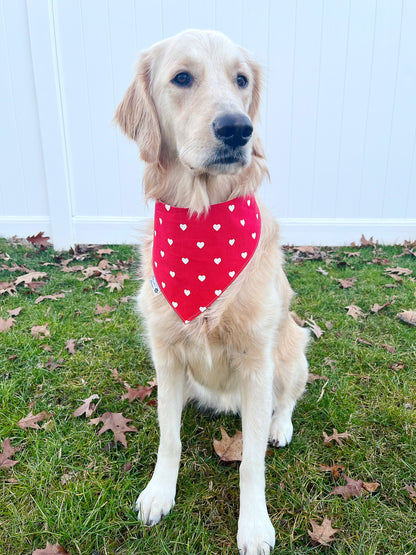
(71,486)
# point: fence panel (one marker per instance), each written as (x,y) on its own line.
(338,114)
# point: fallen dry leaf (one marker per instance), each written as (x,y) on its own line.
(31,420)
(140,392)
(8,451)
(104,309)
(367,242)
(412,492)
(87,407)
(51,550)
(100,252)
(364,342)
(353,488)
(6,324)
(336,469)
(317,331)
(39,240)
(313,377)
(29,277)
(408,316)
(8,287)
(335,437)
(50,297)
(354,311)
(115,422)
(389,348)
(323,533)
(16,311)
(70,346)
(396,366)
(40,331)
(398,271)
(347,283)
(52,365)
(371,487)
(376,307)
(229,449)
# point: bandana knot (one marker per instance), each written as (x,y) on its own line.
(195,258)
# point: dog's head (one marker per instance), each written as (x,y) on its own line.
(195,98)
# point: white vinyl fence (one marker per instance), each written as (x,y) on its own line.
(338,117)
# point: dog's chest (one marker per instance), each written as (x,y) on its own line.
(211,363)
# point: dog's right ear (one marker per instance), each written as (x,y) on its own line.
(136,113)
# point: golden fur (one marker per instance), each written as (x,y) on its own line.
(245,353)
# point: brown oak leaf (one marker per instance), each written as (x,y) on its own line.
(336,469)
(367,242)
(408,316)
(51,550)
(15,311)
(39,240)
(376,307)
(50,297)
(229,448)
(104,309)
(8,287)
(354,311)
(29,277)
(323,533)
(314,377)
(31,420)
(140,392)
(87,407)
(335,437)
(353,488)
(115,422)
(70,346)
(371,487)
(6,324)
(8,451)
(347,282)
(412,492)
(398,271)
(389,348)
(317,331)
(52,365)
(40,331)
(100,252)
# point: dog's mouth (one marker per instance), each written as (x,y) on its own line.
(227,160)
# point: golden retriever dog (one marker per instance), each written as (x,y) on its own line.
(192,108)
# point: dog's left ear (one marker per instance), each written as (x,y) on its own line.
(136,113)
(257,87)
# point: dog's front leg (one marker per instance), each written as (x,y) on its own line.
(158,497)
(256,535)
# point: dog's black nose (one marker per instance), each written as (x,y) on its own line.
(233,129)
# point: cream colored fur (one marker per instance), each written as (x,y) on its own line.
(245,353)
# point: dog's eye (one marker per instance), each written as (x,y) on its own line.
(183,79)
(242,81)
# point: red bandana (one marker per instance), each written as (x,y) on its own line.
(195,258)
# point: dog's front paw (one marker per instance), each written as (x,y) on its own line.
(281,431)
(256,535)
(154,503)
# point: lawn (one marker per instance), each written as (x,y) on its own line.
(77,335)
